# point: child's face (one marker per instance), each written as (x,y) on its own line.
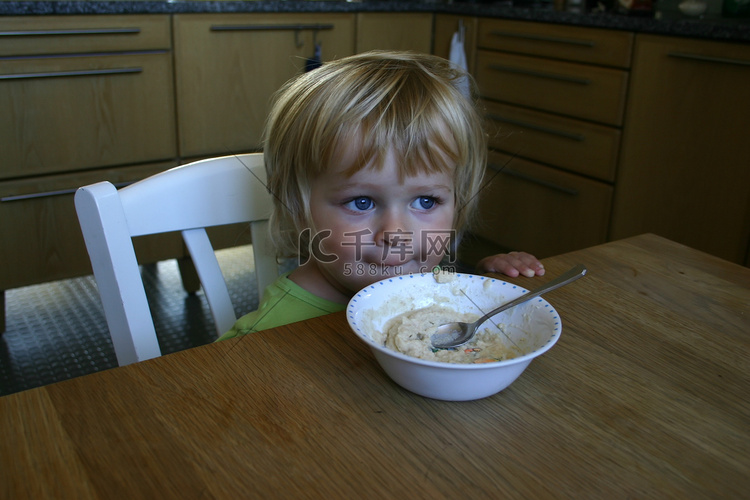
(379,226)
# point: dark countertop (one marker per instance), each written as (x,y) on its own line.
(736,30)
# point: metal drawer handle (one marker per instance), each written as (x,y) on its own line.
(698,57)
(87,72)
(538,128)
(534,180)
(542,38)
(49,194)
(540,74)
(272,27)
(82,31)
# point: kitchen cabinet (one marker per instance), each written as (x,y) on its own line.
(43,239)
(578,146)
(526,203)
(394,31)
(558,42)
(684,171)
(586,92)
(554,99)
(228,66)
(81,112)
(91,107)
(84,99)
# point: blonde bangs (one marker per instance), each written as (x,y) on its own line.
(408,112)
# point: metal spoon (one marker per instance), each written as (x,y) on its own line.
(452,335)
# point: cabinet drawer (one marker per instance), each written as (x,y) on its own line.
(31,35)
(581,147)
(42,238)
(530,207)
(588,45)
(72,113)
(588,92)
(229,66)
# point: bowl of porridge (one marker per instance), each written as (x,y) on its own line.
(397,316)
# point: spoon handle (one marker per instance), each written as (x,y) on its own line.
(565,278)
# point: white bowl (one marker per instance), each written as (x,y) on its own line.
(534,324)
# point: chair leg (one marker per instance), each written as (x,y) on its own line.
(2,312)
(190,281)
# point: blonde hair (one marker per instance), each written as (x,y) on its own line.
(379,101)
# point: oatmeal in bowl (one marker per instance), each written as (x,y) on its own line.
(397,316)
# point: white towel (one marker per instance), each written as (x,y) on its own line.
(458,58)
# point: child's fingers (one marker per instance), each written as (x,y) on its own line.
(512,264)
(527,264)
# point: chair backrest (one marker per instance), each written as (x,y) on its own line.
(188,199)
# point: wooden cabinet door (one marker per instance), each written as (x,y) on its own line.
(75,112)
(82,99)
(229,66)
(572,89)
(45,35)
(390,31)
(42,238)
(684,171)
(556,41)
(574,145)
(531,207)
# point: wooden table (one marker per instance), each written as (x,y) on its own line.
(645,395)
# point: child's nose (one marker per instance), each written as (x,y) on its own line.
(393,230)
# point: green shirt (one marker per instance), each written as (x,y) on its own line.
(283,302)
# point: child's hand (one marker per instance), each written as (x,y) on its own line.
(512,264)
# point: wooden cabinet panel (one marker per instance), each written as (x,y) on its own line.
(531,207)
(587,45)
(229,66)
(394,31)
(583,91)
(581,147)
(555,101)
(684,170)
(42,239)
(27,35)
(83,99)
(77,112)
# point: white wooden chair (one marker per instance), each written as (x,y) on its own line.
(188,198)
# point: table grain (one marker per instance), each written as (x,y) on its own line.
(645,395)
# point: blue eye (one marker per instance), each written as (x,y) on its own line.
(424,202)
(360,203)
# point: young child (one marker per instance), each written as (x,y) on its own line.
(375,162)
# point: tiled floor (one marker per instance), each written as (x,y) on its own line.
(56,331)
